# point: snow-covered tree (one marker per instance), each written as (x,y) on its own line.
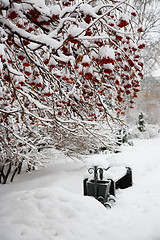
(67,68)
(149,12)
(141,122)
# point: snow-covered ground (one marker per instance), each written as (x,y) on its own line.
(49,204)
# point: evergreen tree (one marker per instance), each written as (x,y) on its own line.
(141,122)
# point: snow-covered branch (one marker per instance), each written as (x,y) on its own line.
(68,69)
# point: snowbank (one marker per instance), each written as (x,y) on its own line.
(50,205)
(151,131)
(48,213)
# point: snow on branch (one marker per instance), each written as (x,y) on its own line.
(68,68)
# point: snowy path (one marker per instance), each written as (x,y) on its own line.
(49,205)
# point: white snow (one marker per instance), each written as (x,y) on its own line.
(2,52)
(49,204)
(140,42)
(87,9)
(108,66)
(74,31)
(124,16)
(41,38)
(55,9)
(107,52)
(1,66)
(86,59)
(4,3)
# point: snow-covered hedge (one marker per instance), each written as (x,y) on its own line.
(151,131)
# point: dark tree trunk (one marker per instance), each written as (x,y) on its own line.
(7,174)
(16,170)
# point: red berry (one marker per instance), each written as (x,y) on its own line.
(26,42)
(66,4)
(30,29)
(12,15)
(107,70)
(122,23)
(85,64)
(46,61)
(59,113)
(118,37)
(20,25)
(72,40)
(26,64)
(21,57)
(131,63)
(88,76)
(47,94)
(117,82)
(99,43)
(140,64)
(105,60)
(133,14)
(39,85)
(140,30)
(141,46)
(46,23)
(27,73)
(54,17)
(88,32)
(87,18)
